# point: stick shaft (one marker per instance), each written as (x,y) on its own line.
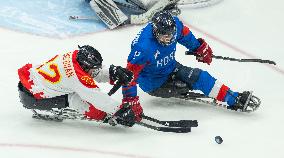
(235,59)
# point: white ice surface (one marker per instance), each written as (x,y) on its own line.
(242,29)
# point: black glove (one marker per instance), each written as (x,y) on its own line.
(122,75)
(125,116)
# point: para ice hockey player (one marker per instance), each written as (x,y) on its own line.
(70,80)
(152,61)
(118,12)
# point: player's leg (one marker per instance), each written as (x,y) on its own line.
(198,79)
(85,108)
(29,102)
(171,88)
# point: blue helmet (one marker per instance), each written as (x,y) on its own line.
(164,24)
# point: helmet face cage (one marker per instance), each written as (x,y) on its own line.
(95,72)
(89,58)
(163,24)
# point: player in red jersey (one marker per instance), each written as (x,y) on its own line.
(70,80)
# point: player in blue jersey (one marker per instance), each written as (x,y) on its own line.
(152,61)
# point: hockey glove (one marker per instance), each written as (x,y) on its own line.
(125,116)
(122,75)
(130,111)
(204,52)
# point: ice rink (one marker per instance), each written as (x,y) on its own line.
(240,29)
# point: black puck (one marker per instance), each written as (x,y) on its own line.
(218,139)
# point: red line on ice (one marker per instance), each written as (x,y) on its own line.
(62,148)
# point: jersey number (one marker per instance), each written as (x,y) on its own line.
(53,77)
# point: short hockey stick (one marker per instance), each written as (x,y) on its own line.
(165,129)
(60,118)
(235,59)
(180,123)
(115,87)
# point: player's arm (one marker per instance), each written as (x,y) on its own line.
(112,73)
(102,75)
(135,63)
(198,47)
(185,37)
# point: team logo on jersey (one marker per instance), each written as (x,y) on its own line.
(88,81)
(164,61)
(156,54)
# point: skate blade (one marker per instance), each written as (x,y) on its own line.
(252,103)
(46,117)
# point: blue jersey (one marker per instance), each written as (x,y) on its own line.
(152,62)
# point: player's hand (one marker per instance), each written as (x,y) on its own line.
(117,73)
(204,52)
(130,111)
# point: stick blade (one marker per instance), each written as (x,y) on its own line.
(174,130)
